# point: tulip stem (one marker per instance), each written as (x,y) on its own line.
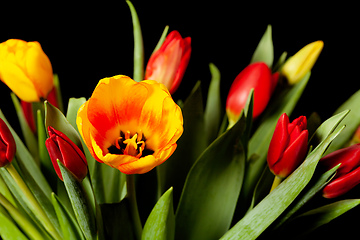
(276,182)
(131,195)
(33,203)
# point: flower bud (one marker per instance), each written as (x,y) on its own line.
(296,67)
(7,144)
(61,147)
(25,69)
(348,173)
(168,64)
(288,146)
(256,76)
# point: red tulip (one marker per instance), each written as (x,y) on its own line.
(168,64)
(61,147)
(288,146)
(7,144)
(256,76)
(347,175)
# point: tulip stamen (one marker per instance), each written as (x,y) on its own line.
(130,145)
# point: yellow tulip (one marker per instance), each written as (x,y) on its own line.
(302,62)
(25,69)
(130,126)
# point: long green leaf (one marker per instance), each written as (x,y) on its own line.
(73,107)
(138,45)
(80,203)
(160,224)
(212,188)
(266,212)
(9,230)
(265,49)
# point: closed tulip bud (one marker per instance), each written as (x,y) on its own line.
(7,144)
(168,64)
(302,62)
(61,148)
(256,76)
(288,146)
(348,173)
(26,69)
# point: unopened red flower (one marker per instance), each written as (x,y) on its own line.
(168,64)
(256,76)
(347,175)
(288,146)
(61,148)
(7,144)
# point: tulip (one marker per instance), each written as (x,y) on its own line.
(302,62)
(348,173)
(7,144)
(288,146)
(256,76)
(131,126)
(25,69)
(168,64)
(61,148)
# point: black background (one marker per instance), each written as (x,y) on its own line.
(88,42)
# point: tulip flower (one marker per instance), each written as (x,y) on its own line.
(61,148)
(256,76)
(130,126)
(348,173)
(7,144)
(302,62)
(288,146)
(168,64)
(25,69)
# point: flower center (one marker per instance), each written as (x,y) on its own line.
(130,145)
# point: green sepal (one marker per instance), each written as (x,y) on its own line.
(138,45)
(212,187)
(265,50)
(80,202)
(213,110)
(69,227)
(55,118)
(266,212)
(160,224)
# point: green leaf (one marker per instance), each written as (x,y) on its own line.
(280,62)
(162,39)
(138,45)
(58,92)
(311,220)
(352,121)
(73,107)
(55,118)
(266,212)
(9,230)
(161,221)
(265,49)
(284,102)
(212,116)
(212,188)
(191,144)
(68,224)
(80,203)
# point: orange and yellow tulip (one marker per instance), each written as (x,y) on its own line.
(25,69)
(130,126)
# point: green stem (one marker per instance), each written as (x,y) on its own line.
(33,203)
(20,219)
(131,195)
(276,182)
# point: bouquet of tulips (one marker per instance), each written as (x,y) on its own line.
(131,163)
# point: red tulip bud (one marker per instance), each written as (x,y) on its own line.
(288,146)
(347,175)
(256,76)
(168,64)
(7,144)
(61,147)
